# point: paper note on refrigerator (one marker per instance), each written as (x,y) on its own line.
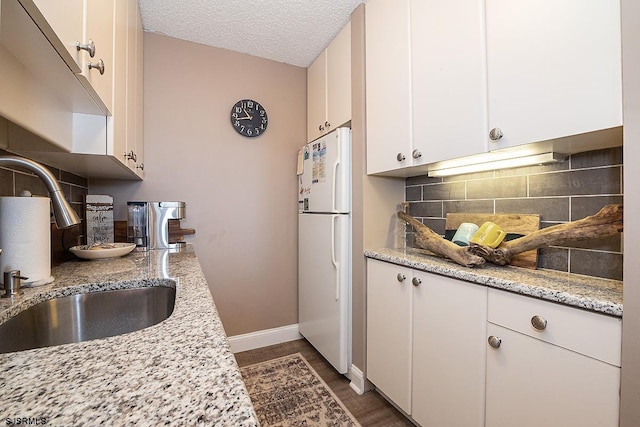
(301,161)
(319,162)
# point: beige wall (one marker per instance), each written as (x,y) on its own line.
(240,192)
(630,387)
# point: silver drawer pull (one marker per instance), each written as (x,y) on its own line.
(401,277)
(539,322)
(494,341)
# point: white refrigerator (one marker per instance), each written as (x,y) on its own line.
(324,246)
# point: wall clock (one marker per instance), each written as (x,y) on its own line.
(249,118)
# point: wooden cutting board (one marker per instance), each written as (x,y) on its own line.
(511,223)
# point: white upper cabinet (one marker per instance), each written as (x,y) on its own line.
(554,68)
(66,19)
(441,75)
(388,85)
(90,25)
(329,87)
(98,28)
(339,79)
(448,79)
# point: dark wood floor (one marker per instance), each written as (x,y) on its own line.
(370,409)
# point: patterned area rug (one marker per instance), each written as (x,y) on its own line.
(288,392)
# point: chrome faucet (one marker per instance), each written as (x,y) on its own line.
(63,213)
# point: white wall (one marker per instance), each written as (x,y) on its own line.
(240,192)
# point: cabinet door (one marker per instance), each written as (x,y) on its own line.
(139,93)
(339,79)
(448,79)
(66,19)
(554,68)
(531,383)
(389,331)
(98,27)
(317,97)
(449,329)
(117,128)
(388,85)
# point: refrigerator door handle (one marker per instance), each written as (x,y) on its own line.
(335,184)
(335,263)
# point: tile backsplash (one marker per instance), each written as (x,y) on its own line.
(559,193)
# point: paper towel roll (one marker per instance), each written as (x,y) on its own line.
(25,238)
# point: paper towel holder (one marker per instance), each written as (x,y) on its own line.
(63,213)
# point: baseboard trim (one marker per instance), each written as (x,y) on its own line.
(264,338)
(358,382)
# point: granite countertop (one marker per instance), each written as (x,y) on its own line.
(590,293)
(179,372)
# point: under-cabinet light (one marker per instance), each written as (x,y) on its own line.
(458,169)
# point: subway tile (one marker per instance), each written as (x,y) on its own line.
(425,209)
(580,182)
(549,209)
(6,182)
(598,264)
(444,191)
(73,179)
(421,179)
(469,176)
(609,244)
(497,188)
(437,225)
(589,159)
(413,193)
(553,259)
(468,206)
(30,183)
(76,194)
(528,170)
(582,207)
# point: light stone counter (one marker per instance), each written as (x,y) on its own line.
(178,372)
(590,293)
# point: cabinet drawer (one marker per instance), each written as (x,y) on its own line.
(592,334)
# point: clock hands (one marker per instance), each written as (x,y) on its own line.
(247,115)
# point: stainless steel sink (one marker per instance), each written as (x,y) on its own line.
(85,317)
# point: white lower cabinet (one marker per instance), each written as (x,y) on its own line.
(452,353)
(449,320)
(389,330)
(554,374)
(425,344)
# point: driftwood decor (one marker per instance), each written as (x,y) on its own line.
(515,225)
(607,222)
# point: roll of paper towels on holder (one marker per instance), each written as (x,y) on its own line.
(25,238)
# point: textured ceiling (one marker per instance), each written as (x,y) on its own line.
(289,31)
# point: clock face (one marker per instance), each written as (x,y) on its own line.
(249,118)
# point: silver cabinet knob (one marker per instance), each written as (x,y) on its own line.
(400,157)
(494,341)
(401,277)
(416,281)
(131,156)
(495,134)
(89,47)
(416,154)
(539,322)
(320,128)
(99,66)
(140,166)
(327,125)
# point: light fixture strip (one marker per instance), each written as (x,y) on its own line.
(537,159)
